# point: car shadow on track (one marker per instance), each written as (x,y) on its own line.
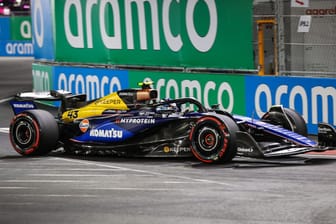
(237,163)
(248,163)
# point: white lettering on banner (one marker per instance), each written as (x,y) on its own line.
(324,93)
(202,43)
(225,87)
(194,88)
(299,91)
(142,23)
(115,41)
(74,41)
(191,85)
(296,91)
(38,16)
(209,86)
(92,85)
(41,80)
(175,43)
(298,94)
(19,48)
(25,29)
(89,6)
(262,89)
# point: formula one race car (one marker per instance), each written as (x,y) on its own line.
(132,122)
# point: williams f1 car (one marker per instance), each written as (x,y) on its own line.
(133,122)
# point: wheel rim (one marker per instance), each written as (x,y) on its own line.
(24,134)
(208,139)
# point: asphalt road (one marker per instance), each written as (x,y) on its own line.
(86,189)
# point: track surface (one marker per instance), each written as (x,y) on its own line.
(84,189)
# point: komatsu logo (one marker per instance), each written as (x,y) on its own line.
(137,121)
(111,133)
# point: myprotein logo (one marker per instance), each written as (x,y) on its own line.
(160,13)
(136,121)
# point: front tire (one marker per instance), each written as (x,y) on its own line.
(213,140)
(34,132)
(297,123)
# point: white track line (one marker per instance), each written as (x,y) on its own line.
(4,130)
(5,100)
(146,172)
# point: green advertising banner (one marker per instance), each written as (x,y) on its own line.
(20,27)
(228,91)
(160,33)
(42,77)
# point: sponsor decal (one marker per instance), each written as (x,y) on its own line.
(324,130)
(84,125)
(241,149)
(108,101)
(136,121)
(106,133)
(166,149)
(176,149)
(23,105)
(18,107)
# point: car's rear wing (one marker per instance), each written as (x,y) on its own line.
(27,100)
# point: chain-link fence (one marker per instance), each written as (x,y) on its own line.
(306,36)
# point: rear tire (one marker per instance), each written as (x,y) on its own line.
(213,140)
(34,132)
